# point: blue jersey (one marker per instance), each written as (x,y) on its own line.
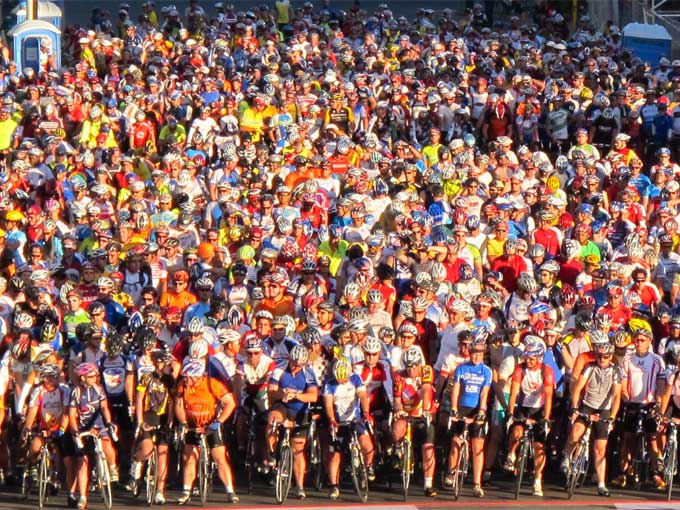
(345,397)
(472,379)
(302,381)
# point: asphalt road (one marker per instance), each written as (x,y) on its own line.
(498,494)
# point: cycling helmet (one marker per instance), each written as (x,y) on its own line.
(604,320)
(536,250)
(527,283)
(643,332)
(551,266)
(48,332)
(49,370)
(605,349)
(194,368)
(583,321)
(533,347)
(21,348)
(386,332)
(84,331)
(114,344)
(226,335)
(195,326)
(253,344)
(23,320)
(204,283)
(235,316)
(539,307)
(438,271)
(84,369)
(311,336)
(375,296)
(342,369)
(309,265)
(198,349)
(408,328)
(510,246)
(146,337)
(675,319)
(352,291)
(608,114)
(358,325)
(41,353)
(372,345)
(413,357)
(622,339)
(598,337)
(161,356)
(299,354)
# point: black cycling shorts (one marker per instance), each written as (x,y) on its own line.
(631,413)
(600,428)
(477,429)
(299,418)
(533,413)
(422,431)
(213,438)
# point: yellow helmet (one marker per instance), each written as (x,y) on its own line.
(342,370)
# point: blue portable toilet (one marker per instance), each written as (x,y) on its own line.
(30,39)
(47,11)
(649,42)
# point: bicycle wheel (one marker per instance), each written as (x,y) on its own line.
(284,474)
(461,468)
(576,469)
(25,484)
(203,475)
(316,464)
(520,466)
(669,464)
(151,477)
(104,480)
(43,477)
(250,462)
(359,475)
(406,466)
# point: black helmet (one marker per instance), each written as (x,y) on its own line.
(114,344)
(145,337)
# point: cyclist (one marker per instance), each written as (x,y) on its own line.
(203,404)
(597,394)
(291,389)
(48,416)
(641,372)
(344,397)
(154,415)
(414,399)
(278,346)
(88,411)
(531,394)
(469,396)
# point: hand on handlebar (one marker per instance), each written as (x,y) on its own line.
(481,416)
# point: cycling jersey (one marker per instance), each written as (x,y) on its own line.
(472,379)
(88,401)
(278,351)
(286,380)
(345,397)
(411,390)
(532,384)
(113,372)
(599,382)
(201,399)
(255,379)
(51,404)
(378,385)
(639,374)
(154,389)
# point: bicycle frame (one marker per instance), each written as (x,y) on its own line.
(526,450)
(670,459)
(103,481)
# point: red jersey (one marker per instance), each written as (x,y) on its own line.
(375,380)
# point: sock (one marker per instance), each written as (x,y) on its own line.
(601,485)
(428,482)
(230,488)
(186,488)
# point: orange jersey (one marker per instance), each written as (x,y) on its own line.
(412,390)
(181,300)
(201,399)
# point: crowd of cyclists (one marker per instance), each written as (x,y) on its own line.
(451,232)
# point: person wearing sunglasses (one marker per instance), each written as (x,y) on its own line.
(597,394)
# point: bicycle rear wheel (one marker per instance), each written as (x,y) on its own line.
(406,466)
(669,466)
(152,477)
(520,466)
(203,475)
(359,475)
(104,480)
(43,478)
(284,474)
(461,468)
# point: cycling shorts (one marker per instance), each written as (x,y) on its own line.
(533,413)
(88,444)
(213,438)
(422,431)
(300,419)
(600,428)
(344,435)
(477,429)
(631,413)
(159,434)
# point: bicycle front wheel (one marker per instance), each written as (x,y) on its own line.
(250,462)
(520,466)
(461,469)
(203,475)
(104,480)
(316,464)
(43,478)
(669,466)
(284,474)
(151,477)
(406,467)
(359,475)
(575,469)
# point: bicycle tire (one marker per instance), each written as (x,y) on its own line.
(284,473)
(359,475)
(575,471)
(43,478)
(250,462)
(406,466)
(521,466)
(317,466)
(203,475)
(461,468)
(152,477)
(670,461)
(104,480)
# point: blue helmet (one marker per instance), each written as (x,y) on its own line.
(472,222)
(437,213)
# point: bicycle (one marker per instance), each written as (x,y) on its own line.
(640,463)
(150,474)
(579,458)
(315,455)
(670,458)
(526,450)
(45,473)
(357,466)
(284,463)
(251,448)
(205,469)
(103,477)
(460,471)
(404,450)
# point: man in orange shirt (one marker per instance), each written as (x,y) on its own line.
(180,297)
(275,299)
(196,407)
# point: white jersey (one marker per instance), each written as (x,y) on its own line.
(639,376)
